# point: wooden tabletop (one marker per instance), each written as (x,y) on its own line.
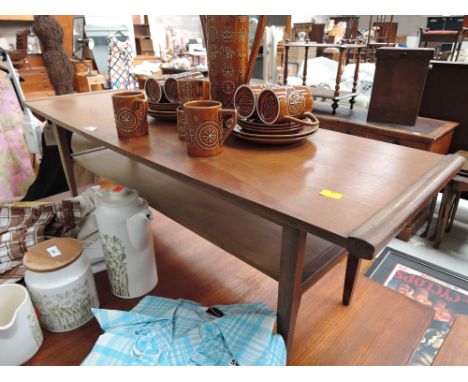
(381,183)
(323,45)
(454,350)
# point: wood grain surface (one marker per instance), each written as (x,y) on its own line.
(454,350)
(282,184)
(381,327)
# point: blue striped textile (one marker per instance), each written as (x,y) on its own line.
(161,331)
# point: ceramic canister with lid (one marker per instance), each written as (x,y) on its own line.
(61,284)
(123,220)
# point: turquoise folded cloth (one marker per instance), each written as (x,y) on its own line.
(161,331)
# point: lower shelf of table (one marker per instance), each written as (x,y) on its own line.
(330,93)
(245,235)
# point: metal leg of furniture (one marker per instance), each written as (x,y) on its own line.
(290,282)
(65,156)
(429,219)
(352,269)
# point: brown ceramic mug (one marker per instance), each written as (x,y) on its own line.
(246,98)
(171,89)
(281,104)
(207,127)
(181,122)
(154,89)
(192,89)
(131,113)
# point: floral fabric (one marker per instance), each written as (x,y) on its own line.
(16,172)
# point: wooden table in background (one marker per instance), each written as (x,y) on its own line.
(262,204)
(344,52)
(428,134)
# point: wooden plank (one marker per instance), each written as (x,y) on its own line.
(381,327)
(454,350)
(254,177)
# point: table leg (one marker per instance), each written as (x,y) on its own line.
(453,211)
(65,156)
(286,59)
(444,212)
(431,215)
(290,282)
(352,269)
(304,72)
(356,78)
(338,78)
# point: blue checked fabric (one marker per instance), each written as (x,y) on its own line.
(161,331)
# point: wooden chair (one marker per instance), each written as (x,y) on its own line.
(438,37)
(448,207)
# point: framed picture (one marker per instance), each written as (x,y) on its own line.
(443,290)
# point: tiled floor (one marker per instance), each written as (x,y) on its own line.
(453,252)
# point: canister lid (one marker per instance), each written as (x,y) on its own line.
(119,196)
(51,255)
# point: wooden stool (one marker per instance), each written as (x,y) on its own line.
(448,207)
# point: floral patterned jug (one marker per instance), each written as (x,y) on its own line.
(124,227)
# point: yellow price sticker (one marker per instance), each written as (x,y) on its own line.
(331,194)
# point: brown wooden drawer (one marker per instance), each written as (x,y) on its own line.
(382,137)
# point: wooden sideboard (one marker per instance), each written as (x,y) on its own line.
(427,134)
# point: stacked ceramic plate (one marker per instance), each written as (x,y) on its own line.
(282,133)
(163,110)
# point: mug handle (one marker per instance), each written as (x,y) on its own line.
(314,122)
(228,117)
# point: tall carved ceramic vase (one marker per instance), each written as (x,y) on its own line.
(229,62)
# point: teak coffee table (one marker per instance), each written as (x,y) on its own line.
(263,204)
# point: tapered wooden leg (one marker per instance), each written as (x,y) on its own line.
(453,211)
(352,269)
(290,282)
(444,212)
(429,219)
(65,156)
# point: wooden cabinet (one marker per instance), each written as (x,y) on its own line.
(427,134)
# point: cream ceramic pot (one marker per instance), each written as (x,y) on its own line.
(62,287)
(20,333)
(124,227)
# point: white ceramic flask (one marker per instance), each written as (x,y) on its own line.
(20,333)
(124,226)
